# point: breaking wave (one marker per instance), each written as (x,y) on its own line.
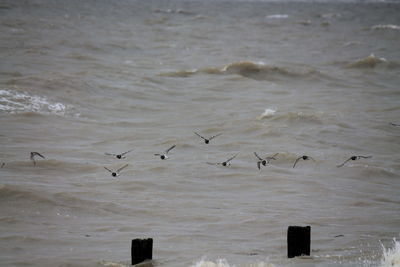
(12,101)
(224,263)
(252,70)
(370,61)
(386,27)
(391,256)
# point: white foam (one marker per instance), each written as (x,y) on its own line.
(391,256)
(386,27)
(277,16)
(207,263)
(13,101)
(224,263)
(268,112)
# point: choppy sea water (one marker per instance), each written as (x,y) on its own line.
(79,79)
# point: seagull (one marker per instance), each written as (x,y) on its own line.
(225,163)
(33,154)
(303,158)
(164,155)
(119,156)
(265,160)
(207,140)
(353,158)
(394,124)
(116,173)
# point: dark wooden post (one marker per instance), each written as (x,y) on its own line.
(141,250)
(298,241)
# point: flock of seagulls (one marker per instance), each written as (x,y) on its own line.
(261,161)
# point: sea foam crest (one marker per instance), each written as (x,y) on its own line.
(391,256)
(207,263)
(268,112)
(370,61)
(12,101)
(386,27)
(277,16)
(224,263)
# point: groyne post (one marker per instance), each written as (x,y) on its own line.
(141,250)
(298,241)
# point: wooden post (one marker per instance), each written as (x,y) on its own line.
(298,241)
(141,250)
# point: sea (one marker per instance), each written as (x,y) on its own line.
(313,87)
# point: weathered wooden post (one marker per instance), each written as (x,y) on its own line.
(298,241)
(141,250)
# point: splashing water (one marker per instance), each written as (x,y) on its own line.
(14,102)
(391,256)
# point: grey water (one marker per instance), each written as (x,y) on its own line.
(79,79)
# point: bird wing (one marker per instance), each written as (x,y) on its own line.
(294,165)
(311,158)
(255,153)
(258,164)
(212,137)
(110,154)
(169,149)
(108,169)
(199,135)
(231,158)
(273,156)
(364,157)
(341,165)
(123,167)
(213,163)
(126,152)
(36,154)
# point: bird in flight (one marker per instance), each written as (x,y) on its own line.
(33,155)
(303,158)
(116,173)
(264,161)
(225,163)
(207,140)
(353,158)
(164,155)
(119,156)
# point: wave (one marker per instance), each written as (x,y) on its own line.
(370,61)
(385,27)
(252,70)
(391,256)
(300,117)
(277,16)
(224,263)
(15,102)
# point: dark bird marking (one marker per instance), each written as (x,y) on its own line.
(33,155)
(303,158)
(117,172)
(264,161)
(353,158)
(164,155)
(224,163)
(119,156)
(207,140)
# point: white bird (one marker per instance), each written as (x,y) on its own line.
(33,154)
(207,140)
(225,163)
(164,155)
(116,173)
(353,158)
(303,158)
(119,156)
